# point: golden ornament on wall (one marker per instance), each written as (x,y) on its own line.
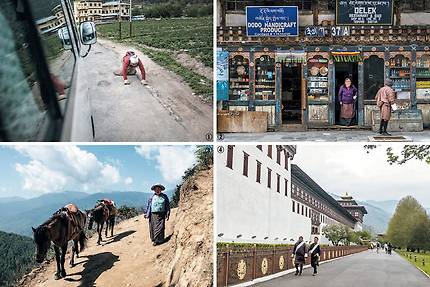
(266,49)
(264,266)
(317,49)
(281,262)
(426,48)
(373,49)
(241,269)
(240,49)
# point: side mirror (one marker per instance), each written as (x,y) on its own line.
(64,36)
(88,33)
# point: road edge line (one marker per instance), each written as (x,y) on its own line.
(286,272)
(427,275)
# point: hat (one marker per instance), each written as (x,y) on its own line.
(388,82)
(134,60)
(158,185)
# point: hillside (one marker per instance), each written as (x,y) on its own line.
(16,257)
(19,216)
(129,259)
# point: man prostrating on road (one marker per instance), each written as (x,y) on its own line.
(129,64)
(299,254)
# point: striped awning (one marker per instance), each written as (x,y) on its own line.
(290,56)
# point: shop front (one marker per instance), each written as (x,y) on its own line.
(299,85)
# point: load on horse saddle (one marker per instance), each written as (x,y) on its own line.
(110,204)
(75,216)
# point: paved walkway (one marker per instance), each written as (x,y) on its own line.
(362,269)
(317,136)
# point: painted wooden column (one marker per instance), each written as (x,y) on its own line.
(360,100)
(278,94)
(251,102)
(305,88)
(331,92)
(414,79)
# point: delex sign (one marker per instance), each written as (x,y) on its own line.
(274,21)
(364,12)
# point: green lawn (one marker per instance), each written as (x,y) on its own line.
(192,36)
(410,256)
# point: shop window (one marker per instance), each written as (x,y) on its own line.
(265,78)
(373,76)
(327,5)
(417,5)
(318,79)
(239,78)
(400,73)
(423,77)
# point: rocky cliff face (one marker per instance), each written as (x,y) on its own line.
(190,257)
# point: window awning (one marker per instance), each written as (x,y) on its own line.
(290,56)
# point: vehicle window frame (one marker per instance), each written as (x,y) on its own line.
(53,128)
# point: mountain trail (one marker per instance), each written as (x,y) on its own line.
(128,259)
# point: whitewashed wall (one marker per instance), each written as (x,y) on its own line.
(251,209)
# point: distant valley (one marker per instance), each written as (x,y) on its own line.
(18,215)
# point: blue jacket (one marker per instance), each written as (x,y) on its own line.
(166,205)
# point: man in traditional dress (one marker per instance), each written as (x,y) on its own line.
(347,97)
(315,253)
(299,254)
(385,98)
(158,211)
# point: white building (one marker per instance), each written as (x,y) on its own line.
(263,198)
(96,10)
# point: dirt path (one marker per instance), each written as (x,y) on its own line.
(127,260)
(165,110)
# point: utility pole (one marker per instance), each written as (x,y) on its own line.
(130,19)
(119,17)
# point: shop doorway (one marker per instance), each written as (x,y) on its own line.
(291,93)
(342,71)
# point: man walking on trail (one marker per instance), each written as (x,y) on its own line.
(129,64)
(314,253)
(299,255)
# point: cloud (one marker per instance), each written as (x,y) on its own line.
(54,168)
(128,181)
(172,161)
(348,168)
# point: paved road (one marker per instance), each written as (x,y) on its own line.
(318,136)
(165,110)
(364,269)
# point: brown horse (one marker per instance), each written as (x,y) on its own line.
(60,229)
(100,214)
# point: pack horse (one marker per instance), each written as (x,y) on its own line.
(67,224)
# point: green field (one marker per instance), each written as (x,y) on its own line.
(161,39)
(191,35)
(410,256)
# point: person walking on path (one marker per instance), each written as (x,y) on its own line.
(385,100)
(386,248)
(299,255)
(348,94)
(157,211)
(315,253)
(389,248)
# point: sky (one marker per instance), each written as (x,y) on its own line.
(365,176)
(32,170)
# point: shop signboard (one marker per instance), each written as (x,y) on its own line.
(222,75)
(272,21)
(364,12)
